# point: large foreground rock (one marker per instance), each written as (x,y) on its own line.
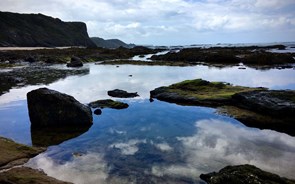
(52,108)
(244,174)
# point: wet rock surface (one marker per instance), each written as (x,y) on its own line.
(243,174)
(108,103)
(121,94)
(279,103)
(51,108)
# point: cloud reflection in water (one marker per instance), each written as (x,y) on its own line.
(218,143)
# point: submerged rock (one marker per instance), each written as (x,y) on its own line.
(52,108)
(75,62)
(108,103)
(48,136)
(121,94)
(243,174)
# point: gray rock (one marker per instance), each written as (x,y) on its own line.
(121,94)
(51,108)
(75,62)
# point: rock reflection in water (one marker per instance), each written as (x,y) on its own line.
(49,136)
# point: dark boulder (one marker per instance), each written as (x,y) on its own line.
(243,174)
(30,60)
(75,62)
(121,94)
(51,108)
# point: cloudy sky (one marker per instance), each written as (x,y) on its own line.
(173,22)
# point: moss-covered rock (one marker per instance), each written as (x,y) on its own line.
(108,103)
(25,175)
(244,174)
(255,107)
(11,152)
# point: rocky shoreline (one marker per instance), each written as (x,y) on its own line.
(255,107)
(12,158)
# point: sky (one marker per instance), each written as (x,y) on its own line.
(173,22)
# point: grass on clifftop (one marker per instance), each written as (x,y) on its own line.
(203,90)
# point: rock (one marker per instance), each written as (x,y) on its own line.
(75,62)
(11,152)
(121,94)
(52,108)
(243,174)
(25,175)
(280,103)
(97,112)
(108,103)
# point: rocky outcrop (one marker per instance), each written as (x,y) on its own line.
(255,107)
(12,153)
(75,62)
(108,103)
(31,30)
(243,174)
(25,175)
(121,94)
(51,108)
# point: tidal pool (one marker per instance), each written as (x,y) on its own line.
(152,142)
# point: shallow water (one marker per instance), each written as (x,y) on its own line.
(154,142)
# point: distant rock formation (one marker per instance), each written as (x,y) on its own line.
(111,43)
(32,30)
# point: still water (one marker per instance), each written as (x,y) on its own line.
(152,142)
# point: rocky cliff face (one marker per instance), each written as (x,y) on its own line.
(30,30)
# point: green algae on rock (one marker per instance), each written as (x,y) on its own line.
(244,174)
(108,103)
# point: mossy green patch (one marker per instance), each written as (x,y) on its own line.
(108,103)
(205,90)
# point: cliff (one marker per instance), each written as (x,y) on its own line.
(32,30)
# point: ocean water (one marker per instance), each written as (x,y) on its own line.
(151,142)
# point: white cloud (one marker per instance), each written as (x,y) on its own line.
(165,147)
(174,21)
(218,143)
(128,148)
(86,169)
